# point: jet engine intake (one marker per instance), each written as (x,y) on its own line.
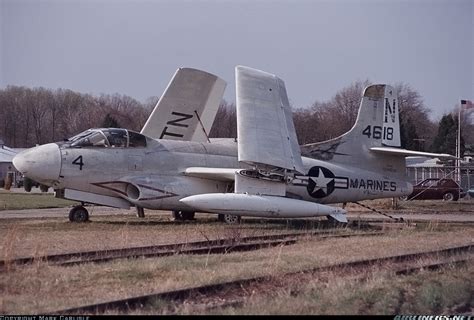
(133,192)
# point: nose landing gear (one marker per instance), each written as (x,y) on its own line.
(140,212)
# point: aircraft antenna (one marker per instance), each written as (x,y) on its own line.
(202,126)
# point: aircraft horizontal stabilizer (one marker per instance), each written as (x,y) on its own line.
(407,153)
(260,206)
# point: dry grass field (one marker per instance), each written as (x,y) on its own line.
(16,200)
(41,288)
(464,205)
(446,291)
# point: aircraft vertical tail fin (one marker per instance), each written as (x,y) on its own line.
(377,125)
(377,122)
(391,119)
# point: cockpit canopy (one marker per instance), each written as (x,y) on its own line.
(108,138)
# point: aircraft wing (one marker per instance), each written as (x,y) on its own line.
(187,108)
(265,129)
(405,152)
(266,140)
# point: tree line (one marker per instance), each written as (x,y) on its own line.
(37,116)
(30,116)
(325,120)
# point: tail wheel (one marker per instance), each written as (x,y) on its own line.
(78,214)
(448,196)
(232,219)
(403,198)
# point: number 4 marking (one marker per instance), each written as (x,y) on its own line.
(375,132)
(79,162)
(366,132)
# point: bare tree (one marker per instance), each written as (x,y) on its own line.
(30,116)
(225,122)
(417,128)
(327,120)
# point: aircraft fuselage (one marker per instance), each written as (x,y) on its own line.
(154,176)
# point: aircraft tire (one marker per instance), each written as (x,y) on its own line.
(187,215)
(232,219)
(183,215)
(177,216)
(78,214)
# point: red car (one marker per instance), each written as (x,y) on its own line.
(434,188)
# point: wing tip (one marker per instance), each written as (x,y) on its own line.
(240,69)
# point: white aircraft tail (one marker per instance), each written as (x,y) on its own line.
(377,126)
(187,108)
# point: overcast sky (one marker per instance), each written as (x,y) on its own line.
(316,47)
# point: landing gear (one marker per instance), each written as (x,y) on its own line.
(78,214)
(183,215)
(140,212)
(229,218)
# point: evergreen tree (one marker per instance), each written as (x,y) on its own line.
(445,140)
(408,136)
(110,122)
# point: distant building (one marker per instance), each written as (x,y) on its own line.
(418,162)
(6,164)
(421,168)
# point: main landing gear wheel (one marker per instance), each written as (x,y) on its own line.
(78,214)
(183,215)
(229,218)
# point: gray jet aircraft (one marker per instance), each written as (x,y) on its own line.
(173,165)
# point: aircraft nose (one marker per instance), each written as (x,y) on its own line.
(42,163)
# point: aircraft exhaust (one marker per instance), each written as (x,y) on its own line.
(259,206)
